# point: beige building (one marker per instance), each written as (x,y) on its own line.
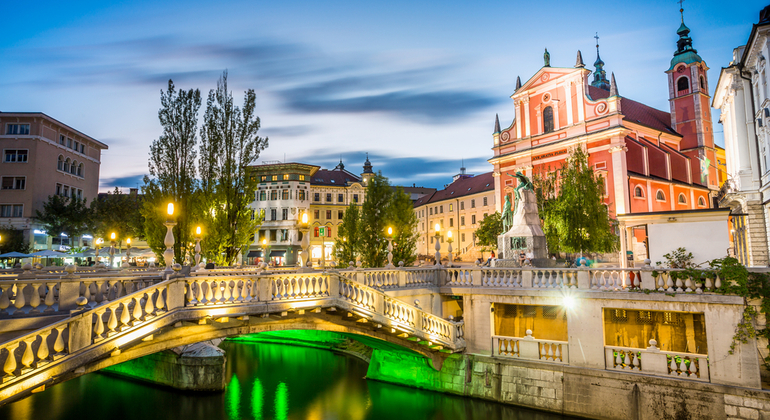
(43,157)
(459,208)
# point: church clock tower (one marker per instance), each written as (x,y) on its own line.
(690,110)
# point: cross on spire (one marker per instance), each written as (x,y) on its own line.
(597,41)
(681,9)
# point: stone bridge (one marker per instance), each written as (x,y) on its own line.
(163,314)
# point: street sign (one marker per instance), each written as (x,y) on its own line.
(322,231)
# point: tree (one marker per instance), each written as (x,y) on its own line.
(400,215)
(489,228)
(65,215)
(172,172)
(347,243)
(119,213)
(575,218)
(229,143)
(12,240)
(373,246)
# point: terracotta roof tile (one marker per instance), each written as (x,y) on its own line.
(637,112)
(333,177)
(460,188)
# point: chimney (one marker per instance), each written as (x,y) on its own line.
(133,192)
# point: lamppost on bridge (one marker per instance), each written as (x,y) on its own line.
(449,249)
(197,248)
(128,251)
(438,244)
(96,252)
(168,254)
(265,251)
(112,248)
(390,248)
(305,242)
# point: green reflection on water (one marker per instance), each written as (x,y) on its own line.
(282,402)
(256,399)
(233,398)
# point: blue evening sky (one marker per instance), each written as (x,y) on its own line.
(414,84)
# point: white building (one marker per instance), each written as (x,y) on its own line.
(743,98)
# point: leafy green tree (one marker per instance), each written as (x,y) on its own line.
(229,143)
(400,215)
(172,172)
(347,242)
(12,240)
(119,213)
(70,216)
(373,223)
(572,208)
(489,228)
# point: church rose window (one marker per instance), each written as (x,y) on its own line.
(547,119)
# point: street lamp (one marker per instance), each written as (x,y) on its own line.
(168,254)
(128,251)
(197,247)
(112,248)
(305,243)
(438,244)
(449,249)
(265,250)
(390,248)
(96,255)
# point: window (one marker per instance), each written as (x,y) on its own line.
(701,202)
(273,235)
(485,201)
(317,197)
(328,197)
(273,195)
(263,178)
(67,165)
(430,210)
(462,237)
(285,214)
(340,198)
(61,139)
(80,170)
(77,146)
(14,183)
(302,177)
(74,167)
(473,204)
(80,194)
(451,206)
(329,232)
(69,143)
(82,148)
(451,222)
(315,231)
(274,178)
(285,195)
(11,210)
(473,219)
(682,84)
(301,195)
(441,208)
(66,191)
(253,214)
(316,215)
(682,199)
(355,198)
(285,177)
(547,119)
(462,220)
(702,83)
(462,205)
(262,195)
(340,214)
(58,189)
(660,196)
(638,192)
(13,155)
(328,215)
(273,214)
(17,129)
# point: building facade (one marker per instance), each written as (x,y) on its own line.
(285,192)
(651,160)
(43,157)
(743,99)
(458,208)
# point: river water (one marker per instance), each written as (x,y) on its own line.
(264,381)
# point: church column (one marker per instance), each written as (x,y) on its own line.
(741,136)
(619,173)
(525,104)
(519,120)
(568,91)
(623,246)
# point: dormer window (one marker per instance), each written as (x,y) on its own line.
(548,119)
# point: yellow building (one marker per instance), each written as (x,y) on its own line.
(458,208)
(721,164)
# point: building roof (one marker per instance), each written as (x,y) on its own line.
(32,114)
(284,166)
(637,112)
(460,188)
(333,177)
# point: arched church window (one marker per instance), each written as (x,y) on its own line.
(547,119)
(702,83)
(638,192)
(701,202)
(682,84)
(660,196)
(682,199)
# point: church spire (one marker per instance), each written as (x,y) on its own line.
(613,86)
(367,165)
(497,124)
(600,76)
(518,82)
(685,53)
(579,62)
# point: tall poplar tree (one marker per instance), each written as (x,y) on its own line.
(172,172)
(373,222)
(229,144)
(347,242)
(402,218)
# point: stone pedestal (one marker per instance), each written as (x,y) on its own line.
(525,235)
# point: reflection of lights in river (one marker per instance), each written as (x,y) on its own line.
(256,399)
(282,402)
(233,398)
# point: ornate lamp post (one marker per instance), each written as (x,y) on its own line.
(438,245)
(305,243)
(197,247)
(128,251)
(112,248)
(390,248)
(96,248)
(265,251)
(168,254)
(449,249)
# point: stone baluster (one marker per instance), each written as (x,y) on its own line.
(98,325)
(160,301)
(679,285)
(688,285)
(42,350)
(10,362)
(718,282)
(190,295)
(50,300)
(58,344)
(28,357)
(20,300)
(149,308)
(137,312)
(112,321)
(669,284)
(5,300)
(125,315)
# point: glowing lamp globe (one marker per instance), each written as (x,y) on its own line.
(390,231)
(112,236)
(170,209)
(198,230)
(304,218)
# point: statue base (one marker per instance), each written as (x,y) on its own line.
(525,235)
